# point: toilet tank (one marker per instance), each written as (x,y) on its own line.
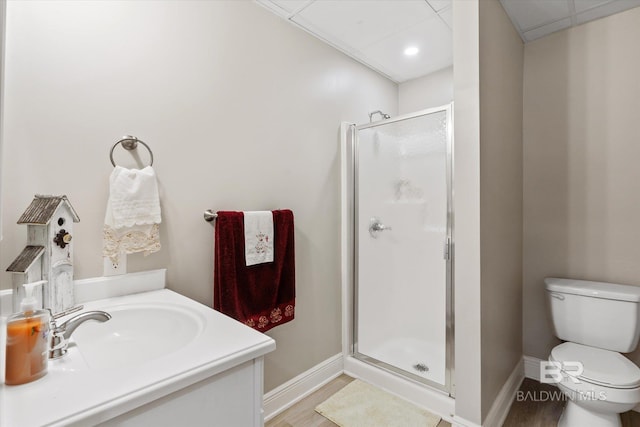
(597,314)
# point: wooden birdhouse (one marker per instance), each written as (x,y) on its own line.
(48,255)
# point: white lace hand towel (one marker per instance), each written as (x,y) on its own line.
(258,237)
(133,216)
(133,196)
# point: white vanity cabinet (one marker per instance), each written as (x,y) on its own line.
(230,399)
(161,360)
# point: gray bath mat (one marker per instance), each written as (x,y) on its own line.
(362,405)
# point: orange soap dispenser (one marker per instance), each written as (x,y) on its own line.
(27,342)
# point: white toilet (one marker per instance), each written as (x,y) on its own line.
(598,320)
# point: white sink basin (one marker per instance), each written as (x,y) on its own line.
(136,333)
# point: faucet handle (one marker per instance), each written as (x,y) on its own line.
(67,311)
(52,321)
(58,344)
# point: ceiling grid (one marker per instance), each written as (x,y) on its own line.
(534,19)
(378,32)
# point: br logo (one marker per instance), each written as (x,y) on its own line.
(556,372)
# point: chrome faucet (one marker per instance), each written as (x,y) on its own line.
(60,334)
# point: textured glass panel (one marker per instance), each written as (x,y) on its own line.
(402,273)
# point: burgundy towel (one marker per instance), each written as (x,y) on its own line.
(261,296)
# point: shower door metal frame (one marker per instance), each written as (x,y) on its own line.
(449,386)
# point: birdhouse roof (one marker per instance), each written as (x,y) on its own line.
(26,258)
(42,208)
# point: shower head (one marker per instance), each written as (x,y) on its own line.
(384,115)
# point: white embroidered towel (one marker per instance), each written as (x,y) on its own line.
(132,220)
(258,237)
(133,196)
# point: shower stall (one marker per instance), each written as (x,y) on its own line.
(398,250)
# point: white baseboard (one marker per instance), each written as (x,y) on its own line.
(532,370)
(294,390)
(532,367)
(461,422)
(501,405)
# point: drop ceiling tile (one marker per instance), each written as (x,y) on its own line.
(536,18)
(432,56)
(582,5)
(283,8)
(360,23)
(547,29)
(447,17)
(606,9)
(439,5)
(291,5)
(529,14)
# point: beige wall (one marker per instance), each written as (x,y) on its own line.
(241,109)
(581,174)
(432,90)
(501,63)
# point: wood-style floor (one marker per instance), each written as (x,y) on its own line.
(536,407)
(539,406)
(302,414)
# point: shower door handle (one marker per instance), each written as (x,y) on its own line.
(376,226)
(447,249)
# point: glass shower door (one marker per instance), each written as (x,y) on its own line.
(403,231)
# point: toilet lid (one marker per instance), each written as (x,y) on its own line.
(603,367)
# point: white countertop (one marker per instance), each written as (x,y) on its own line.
(74,394)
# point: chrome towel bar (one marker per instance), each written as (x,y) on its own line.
(210,215)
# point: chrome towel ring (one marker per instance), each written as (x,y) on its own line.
(129,143)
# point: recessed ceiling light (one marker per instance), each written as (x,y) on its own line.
(411,51)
